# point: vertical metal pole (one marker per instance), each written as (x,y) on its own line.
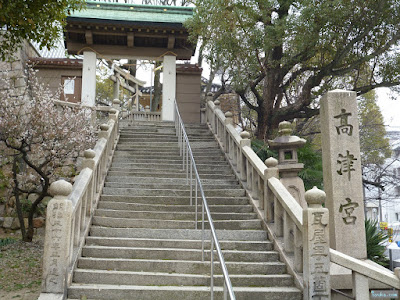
(195,203)
(187,163)
(202,229)
(191,186)
(225,291)
(183,154)
(212,269)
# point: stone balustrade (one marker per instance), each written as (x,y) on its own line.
(150,116)
(291,223)
(70,212)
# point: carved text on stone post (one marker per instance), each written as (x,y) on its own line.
(346,164)
(348,210)
(344,127)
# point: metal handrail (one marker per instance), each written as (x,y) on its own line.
(187,157)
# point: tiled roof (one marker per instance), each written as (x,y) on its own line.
(188,68)
(126,12)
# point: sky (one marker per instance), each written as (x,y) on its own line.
(390,109)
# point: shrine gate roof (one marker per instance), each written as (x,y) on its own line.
(125,30)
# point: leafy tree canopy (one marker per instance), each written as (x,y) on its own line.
(374,145)
(281,55)
(37,20)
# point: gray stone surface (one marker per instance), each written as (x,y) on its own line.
(138,234)
(342,172)
(8,222)
(316,259)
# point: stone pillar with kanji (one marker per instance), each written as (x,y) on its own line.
(316,258)
(342,172)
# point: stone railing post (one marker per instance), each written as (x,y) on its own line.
(116,104)
(242,167)
(271,171)
(316,257)
(58,242)
(217,104)
(209,97)
(225,134)
(113,116)
(203,115)
(89,162)
(103,133)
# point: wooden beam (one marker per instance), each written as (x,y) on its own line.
(120,52)
(131,39)
(138,33)
(128,76)
(89,37)
(171,42)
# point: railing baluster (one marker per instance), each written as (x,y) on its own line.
(195,202)
(204,208)
(212,269)
(202,231)
(191,186)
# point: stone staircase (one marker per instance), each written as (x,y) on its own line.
(142,243)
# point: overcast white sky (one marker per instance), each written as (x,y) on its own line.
(390,109)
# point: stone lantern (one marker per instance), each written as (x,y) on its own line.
(289,166)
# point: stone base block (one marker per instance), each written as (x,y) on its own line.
(48,296)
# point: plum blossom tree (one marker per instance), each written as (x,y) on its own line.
(37,139)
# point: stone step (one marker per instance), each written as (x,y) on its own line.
(141,173)
(177,254)
(133,180)
(261,245)
(170,192)
(167,215)
(163,186)
(161,138)
(171,208)
(149,156)
(179,266)
(177,167)
(142,243)
(174,200)
(183,234)
(163,152)
(174,224)
(159,147)
(175,279)
(168,172)
(175,163)
(128,292)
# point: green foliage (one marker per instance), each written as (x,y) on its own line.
(7,241)
(374,145)
(262,150)
(104,90)
(312,160)
(375,238)
(37,20)
(281,56)
(312,173)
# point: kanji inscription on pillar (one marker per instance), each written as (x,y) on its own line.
(57,243)
(342,172)
(316,259)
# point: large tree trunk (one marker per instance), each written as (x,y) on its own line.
(265,117)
